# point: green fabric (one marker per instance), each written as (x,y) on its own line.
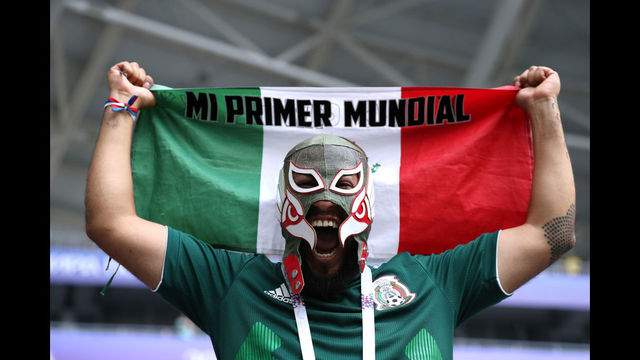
(189,172)
(467,276)
(196,277)
(423,347)
(228,293)
(259,344)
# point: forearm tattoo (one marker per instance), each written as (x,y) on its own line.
(560,233)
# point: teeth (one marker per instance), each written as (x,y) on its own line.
(325,223)
(324,256)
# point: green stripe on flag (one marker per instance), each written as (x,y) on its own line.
(199,176)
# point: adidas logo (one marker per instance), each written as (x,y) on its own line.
(281,293)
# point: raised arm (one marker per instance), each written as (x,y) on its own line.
(549,232)
(111,220)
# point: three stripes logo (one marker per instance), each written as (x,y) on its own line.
(281,293)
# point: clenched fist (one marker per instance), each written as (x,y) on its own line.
(127,79)
(536,83)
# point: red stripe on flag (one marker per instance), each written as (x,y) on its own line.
(458,180)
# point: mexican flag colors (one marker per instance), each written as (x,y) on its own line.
(447,163)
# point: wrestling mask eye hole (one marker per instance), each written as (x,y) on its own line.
(304,181)
(348,182)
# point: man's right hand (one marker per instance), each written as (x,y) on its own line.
(111,219)
(127,79)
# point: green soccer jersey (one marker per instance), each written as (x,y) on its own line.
(241,301)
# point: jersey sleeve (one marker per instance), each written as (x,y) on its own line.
(196,276)
(467,274)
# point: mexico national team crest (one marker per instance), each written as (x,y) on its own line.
(389,293)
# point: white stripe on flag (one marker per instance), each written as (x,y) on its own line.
(382,146)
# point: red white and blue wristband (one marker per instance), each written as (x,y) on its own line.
(117,106)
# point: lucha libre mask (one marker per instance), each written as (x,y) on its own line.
(327,158)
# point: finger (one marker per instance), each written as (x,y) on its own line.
(522,78)
(539,75)
(523,75)
(114,72)
(124,68)
(121,65)
(531,76)
(143,75)
(546,68)
(148,82)
(136,79)
(517,82)
(547,71)
(134,72)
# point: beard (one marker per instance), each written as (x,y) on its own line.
(330,288)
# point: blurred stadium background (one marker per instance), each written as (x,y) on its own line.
(190,43)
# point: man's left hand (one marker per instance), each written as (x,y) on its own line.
(536,83)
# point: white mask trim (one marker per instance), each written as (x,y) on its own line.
(371,195)
(357,170)
(356,222)
(296,224)
(320,183)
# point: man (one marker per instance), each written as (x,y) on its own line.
(323,301)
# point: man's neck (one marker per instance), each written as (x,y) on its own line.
(330,288)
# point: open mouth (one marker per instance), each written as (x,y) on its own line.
(326,222)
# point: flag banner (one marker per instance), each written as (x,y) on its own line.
(447,163)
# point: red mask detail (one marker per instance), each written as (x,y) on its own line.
(293,270)
(363,257)
(291,215)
